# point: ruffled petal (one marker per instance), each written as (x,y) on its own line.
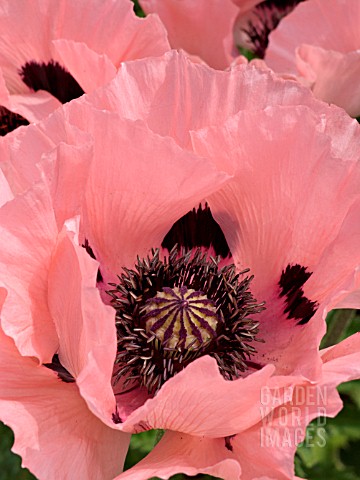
(342,361)
(336,279)
(30,153)
(333,76)
(109,27)
(35,106)
(321,41)
(28,234)
(90,69)
(139,185)
(66,169)
(5,190)
(276,438)
(151,90)
(185,401)
(275,214)
(181,453)
(211,40)
(85,326)
(55,433)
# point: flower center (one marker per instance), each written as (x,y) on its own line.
(173,310)
(181,318)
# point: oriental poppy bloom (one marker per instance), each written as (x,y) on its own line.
(51,52)
(181,339)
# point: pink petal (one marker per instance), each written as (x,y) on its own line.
(139,185)
(331,24)
(28,233)
(271,463)
(276,438)
(198,401)
(336,279)
(108,27)
(5,190)
(27,153)
(245,5)
(284,190)
(55,433)
(34,106)
(181,453)
(111,27)
(85,326)
(334,76)
(321,39)
(211,40)
(90,69)
(342,361)
(150,90)
(66,170)
(274,212)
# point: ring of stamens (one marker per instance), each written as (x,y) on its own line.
(173,310)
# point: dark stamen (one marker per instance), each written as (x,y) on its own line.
(156,305)
(51,77)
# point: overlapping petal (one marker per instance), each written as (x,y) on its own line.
(209,39)
(174,96)
(24,260)
(63,47)
(54,430)
(139,185)
(272,214)
(319,41)
(281,180)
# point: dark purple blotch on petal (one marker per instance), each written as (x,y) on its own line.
(9,121)
(61,371)
(89,250)
(51,77)
(197,229)
(298,306)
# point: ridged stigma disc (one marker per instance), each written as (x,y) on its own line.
(181,317)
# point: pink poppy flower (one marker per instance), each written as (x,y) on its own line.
(202,28)
(77,47)
(312,44)
(274,211)
(59,273)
